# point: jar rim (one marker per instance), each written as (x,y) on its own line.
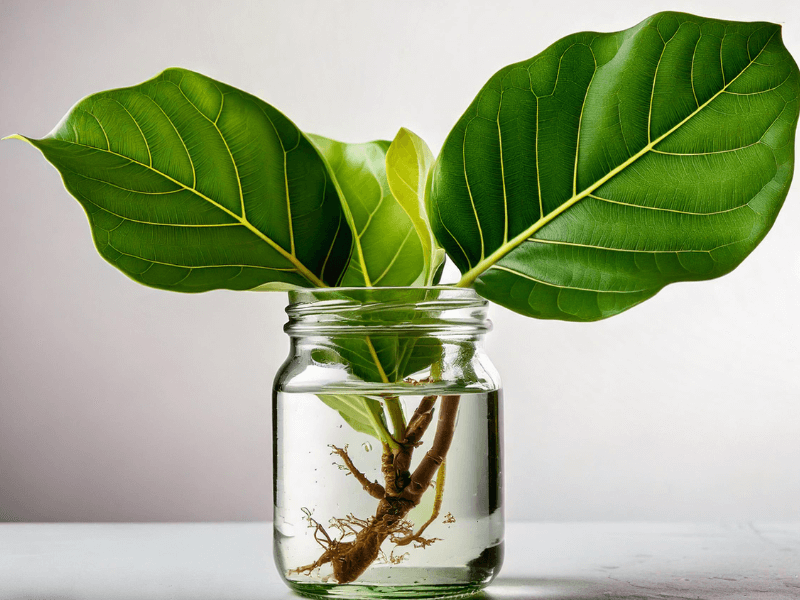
(381,310)
(446,293)
(330,289)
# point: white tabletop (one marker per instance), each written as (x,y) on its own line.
(222,561)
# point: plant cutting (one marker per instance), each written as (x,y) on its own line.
(576,185)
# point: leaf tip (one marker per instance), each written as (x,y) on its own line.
(14,136)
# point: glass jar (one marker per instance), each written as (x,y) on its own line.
(387,445)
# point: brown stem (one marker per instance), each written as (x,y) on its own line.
(393,482)
(420,420)
(445,428)
(417,426)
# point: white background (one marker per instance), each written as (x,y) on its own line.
(120,402)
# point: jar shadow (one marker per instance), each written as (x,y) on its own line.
(521,588)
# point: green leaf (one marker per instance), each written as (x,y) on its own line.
(408,164)
(382,358)
(582,181)
(388,250)
(192,185)
(362,413)
(387,358)
(393,344)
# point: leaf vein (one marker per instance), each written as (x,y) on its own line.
(168,264)
(672,210)
(135,122)
(225,142)
(566,287)
(180,137)
(394,258)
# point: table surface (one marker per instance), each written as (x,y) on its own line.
(581,561)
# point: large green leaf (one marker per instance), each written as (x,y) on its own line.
(408,164)
(388,250)
(192,185)
(582,181)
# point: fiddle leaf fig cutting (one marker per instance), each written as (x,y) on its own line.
(583,180)
(577,184)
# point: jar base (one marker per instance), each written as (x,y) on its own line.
(385,592)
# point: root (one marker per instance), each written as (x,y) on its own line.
(359,542)
(396,560)
(323,539)
(373,488)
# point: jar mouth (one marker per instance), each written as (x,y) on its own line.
(450,291)
(387,311)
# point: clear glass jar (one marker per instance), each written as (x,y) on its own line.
(387,445)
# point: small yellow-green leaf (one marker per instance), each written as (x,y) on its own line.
(408,163)
(388,249)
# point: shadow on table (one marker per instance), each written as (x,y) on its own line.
(534,589)
(501,589)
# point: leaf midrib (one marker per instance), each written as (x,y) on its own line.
(301,268)
(470,276)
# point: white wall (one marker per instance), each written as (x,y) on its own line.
(119,402)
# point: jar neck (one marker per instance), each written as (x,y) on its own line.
(382,340)
(438,312)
